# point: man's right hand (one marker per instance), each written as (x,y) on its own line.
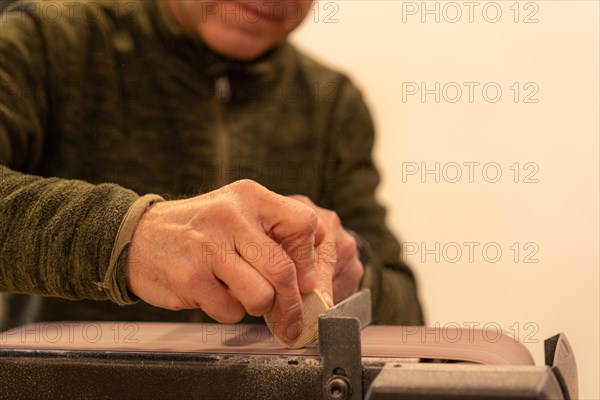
(238,249)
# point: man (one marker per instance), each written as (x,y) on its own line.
(106,106)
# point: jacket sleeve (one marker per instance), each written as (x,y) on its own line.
(350,183)
(58,237)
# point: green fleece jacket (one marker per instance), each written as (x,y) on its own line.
(107,106)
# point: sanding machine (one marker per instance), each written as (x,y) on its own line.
(352,360)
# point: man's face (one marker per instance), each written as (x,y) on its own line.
(240,29)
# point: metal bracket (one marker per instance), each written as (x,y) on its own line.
(561,359)
(340,347)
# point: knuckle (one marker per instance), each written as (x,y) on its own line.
(227,311)
(227,213)
(196,274)
(348,247)
(236,314)
(245,186)
(231,316)
(261,302)
(347,236)
(333,218)
(210,286)
(302,198)
(281,272)
(308,223)
(305,230)
(175,304)
(357,272)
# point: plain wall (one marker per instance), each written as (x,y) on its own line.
(544,219)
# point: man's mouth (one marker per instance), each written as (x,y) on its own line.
(270,11)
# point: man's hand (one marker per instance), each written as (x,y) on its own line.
(338,264)
(238,249)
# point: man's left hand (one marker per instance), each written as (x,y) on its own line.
(338,265)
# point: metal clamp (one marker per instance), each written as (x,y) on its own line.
(340,346)
(561,359)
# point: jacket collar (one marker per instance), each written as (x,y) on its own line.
(268,68)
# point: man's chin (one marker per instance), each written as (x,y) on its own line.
(237,45)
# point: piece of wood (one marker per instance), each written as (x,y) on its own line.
(313,305)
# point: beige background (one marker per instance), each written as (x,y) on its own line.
(551,212)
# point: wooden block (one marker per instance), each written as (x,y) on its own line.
(314,304)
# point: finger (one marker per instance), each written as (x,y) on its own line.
(297,228)
(349,269)
(346,281)
(321,227)
(288,222)
(216,301)
(272,262)
(324,244)
(328,253)
(286,313)
(344,287)
(245,283)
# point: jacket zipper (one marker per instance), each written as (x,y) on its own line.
(223,150)
(221,96)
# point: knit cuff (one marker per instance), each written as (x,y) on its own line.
(114,282)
